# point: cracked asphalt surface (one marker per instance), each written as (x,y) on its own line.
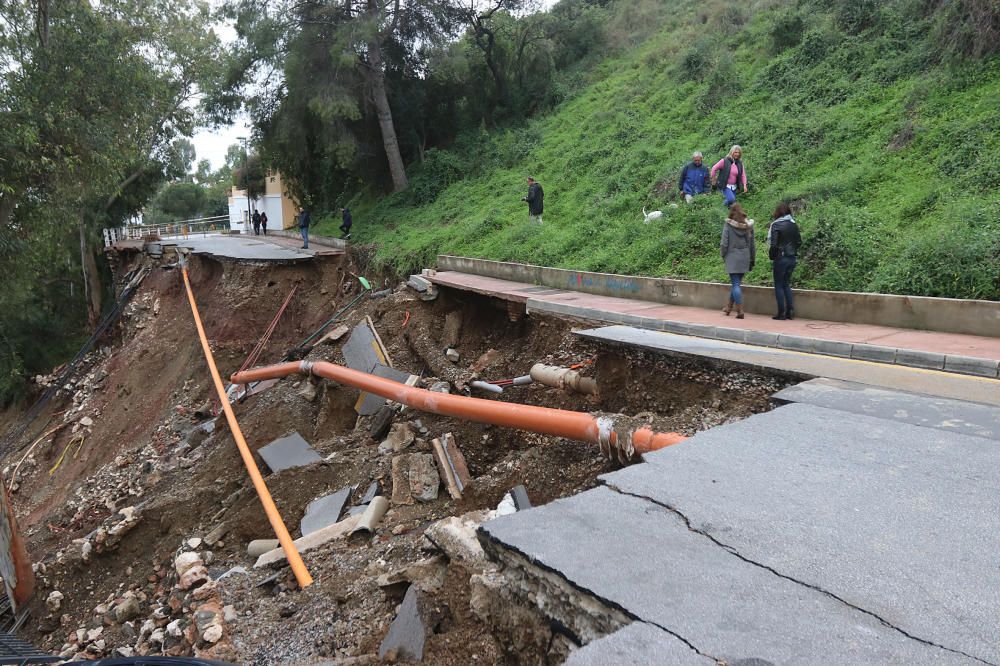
(802,535)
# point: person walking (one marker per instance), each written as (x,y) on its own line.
(263,223)
(256,223)
(739,253)
(783,247)
(304,227)
(345,225)
(728,174)
(534,199)
(694,178)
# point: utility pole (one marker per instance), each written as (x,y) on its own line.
(246,181)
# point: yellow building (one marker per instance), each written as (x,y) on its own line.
(276,202)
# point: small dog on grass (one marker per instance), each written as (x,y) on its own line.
(651,215)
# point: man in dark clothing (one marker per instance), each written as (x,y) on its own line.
(534,199)
(345,226)
(304,227)
(256,223)
(263,223)
(694,178)
(783,250)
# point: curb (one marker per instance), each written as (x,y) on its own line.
(319,240)
(962,365)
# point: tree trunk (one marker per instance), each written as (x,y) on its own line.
(381,99)
(91,280)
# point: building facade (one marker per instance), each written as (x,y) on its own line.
(280,208)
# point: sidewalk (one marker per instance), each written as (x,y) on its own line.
(950,352)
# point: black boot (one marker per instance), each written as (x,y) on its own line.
(780,316)
(790,314)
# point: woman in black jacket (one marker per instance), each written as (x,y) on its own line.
(783,247)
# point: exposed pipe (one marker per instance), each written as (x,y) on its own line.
(563,378)
(274,517)
(545,420)
(486,386)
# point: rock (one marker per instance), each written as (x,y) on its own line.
(455,536)
(424,478)
(400,437)
(452,355)
(212,634)
(194,544)
(127,610)
(185,561)
(308,391)
(86,551)
(486,360)
(258,547)
(193,577)
(440,387)
(174,628)
(401,480)
(54,601)
(94,634)
(229,614)
(126,651)
(87,422)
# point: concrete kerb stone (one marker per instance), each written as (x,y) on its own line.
(730,334)
(873,353)
(969,365)
(920,359)
(761,338)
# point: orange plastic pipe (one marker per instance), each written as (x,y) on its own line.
(277,524)
(545,420)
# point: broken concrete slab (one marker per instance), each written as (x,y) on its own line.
(455,536)
(407,633)
(401,480)
(362,351)
(287,452)
(374,489)
(419,283)
(957,416)
(324,511)
(722,603)
(520,496)
(334,335)
(638,644)
(400,437)
(838,502)
(427,574)
(451,465)
(369,403)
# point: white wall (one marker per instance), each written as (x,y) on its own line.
(270,204)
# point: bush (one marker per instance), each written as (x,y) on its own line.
(786,32)
(966,28)
(439,169)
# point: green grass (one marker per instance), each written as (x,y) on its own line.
(893,166)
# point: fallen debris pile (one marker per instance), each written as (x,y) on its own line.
(151,538)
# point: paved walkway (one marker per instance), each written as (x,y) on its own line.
(967,354)
(245,248)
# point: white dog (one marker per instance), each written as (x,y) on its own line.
(652,215)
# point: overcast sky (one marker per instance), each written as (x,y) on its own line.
(211,144)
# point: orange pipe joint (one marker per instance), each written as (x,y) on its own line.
(544,420)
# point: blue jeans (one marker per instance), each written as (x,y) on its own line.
(783,267)
(729,196)
(736,293)
(305,236)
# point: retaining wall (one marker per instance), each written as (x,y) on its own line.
(948,315)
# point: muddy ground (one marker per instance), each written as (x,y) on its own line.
(136,439)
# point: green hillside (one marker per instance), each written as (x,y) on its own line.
(888,147)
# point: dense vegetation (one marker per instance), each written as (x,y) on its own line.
(879,121)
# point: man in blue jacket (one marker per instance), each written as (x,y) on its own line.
(694,178)
(304,226)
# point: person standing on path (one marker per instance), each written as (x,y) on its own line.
(256,223)
(263,223)
(694,178)
(783,249)
(304,227)
(728,175)
(534,199)
(345,225)
(738,253)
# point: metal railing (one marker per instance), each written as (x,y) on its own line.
(202,226)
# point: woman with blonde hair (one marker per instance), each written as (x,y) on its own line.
(728,175)
(738,252)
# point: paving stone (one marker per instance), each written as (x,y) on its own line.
(287,452)
(641,557)
(920,359)
(957,416)
(324,511)
(868,509)
(873,353)
(638,644)
(407,633)
(969,365)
